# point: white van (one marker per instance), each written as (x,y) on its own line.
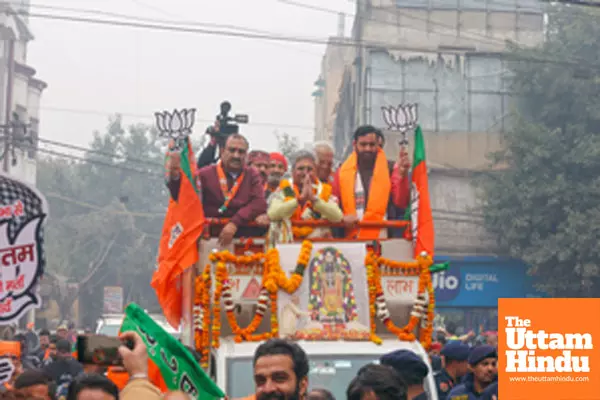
(333,364)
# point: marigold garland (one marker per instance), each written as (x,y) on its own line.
(273,279)
(420,268)
(203,345)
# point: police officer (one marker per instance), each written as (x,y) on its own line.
(483,372)
(454,356)
(411,368)
(491,393)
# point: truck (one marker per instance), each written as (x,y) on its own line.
(335,357)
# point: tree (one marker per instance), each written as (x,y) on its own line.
(105,220)
(287,144)
(543,200)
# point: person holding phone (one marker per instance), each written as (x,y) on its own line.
(135,362)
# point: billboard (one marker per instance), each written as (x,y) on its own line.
(481,281)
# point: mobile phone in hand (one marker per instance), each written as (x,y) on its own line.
(100,350)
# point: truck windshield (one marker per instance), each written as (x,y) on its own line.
(333,373)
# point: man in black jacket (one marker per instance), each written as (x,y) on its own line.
(65,368)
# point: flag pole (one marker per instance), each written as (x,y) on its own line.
(188,279)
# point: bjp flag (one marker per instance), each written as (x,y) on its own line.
(178,249)
(421,218)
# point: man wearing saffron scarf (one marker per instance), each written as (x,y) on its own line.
(302,197)
(229,189)
(364,186)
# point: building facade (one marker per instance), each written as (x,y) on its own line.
(20,93)
(328,85)
(448,57)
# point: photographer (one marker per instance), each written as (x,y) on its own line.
(208,156)
(224,127)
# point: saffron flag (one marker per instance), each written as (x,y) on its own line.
(178,249)
(178,367)
(420,207)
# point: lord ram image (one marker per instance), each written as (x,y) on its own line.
(332,306)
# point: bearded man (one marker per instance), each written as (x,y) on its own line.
(366,186)
(278,166)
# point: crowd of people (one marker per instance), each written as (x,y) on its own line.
(257,197)
(53,372)
(281,372)
(255,194)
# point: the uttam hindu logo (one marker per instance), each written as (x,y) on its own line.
(547,349)
(525,345)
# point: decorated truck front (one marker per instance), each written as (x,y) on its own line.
(346,303)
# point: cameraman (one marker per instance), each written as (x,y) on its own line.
(217,141)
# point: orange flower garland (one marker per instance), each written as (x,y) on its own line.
(204,345)
(370,262)
(377,300)
(277,279)
(273,279)
(220,275)
(198,312)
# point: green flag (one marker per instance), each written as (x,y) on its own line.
(178,367)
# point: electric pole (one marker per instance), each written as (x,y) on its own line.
(10,82)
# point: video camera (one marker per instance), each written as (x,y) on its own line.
(228,125)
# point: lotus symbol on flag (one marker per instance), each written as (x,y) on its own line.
(175,126)
(401,118)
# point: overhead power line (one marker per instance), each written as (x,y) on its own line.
(577,2)
(149,117)
(244,35)
(102,153)
(100,163)
(474,36)
(291,39)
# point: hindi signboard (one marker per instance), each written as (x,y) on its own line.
(113,299)
(23,212)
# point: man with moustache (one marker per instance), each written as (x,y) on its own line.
(278,166)
(325,155)
(366,188)
(228,189)
(260,160)
(483,373)
(280,371)
(455,357)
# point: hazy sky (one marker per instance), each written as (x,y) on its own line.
(93,71)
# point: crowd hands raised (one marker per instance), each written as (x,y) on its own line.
(255,193)
(57,375)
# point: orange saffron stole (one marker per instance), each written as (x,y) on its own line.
(379,194)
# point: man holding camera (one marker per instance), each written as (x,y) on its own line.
(229,189)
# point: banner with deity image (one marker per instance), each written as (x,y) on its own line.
(332,302)
(23,211)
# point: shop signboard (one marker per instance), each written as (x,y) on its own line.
(481,281)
